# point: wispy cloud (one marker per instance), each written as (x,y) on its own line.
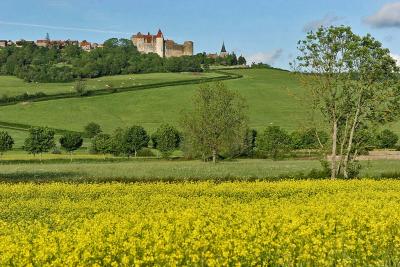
(327,20)
(19,24)
(387,16)
(265,57)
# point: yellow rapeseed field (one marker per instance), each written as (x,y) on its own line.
(318,223)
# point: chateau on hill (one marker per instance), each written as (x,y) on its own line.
(164,48)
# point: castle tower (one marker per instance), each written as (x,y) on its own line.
(160,44)
(188,48)
(223,51)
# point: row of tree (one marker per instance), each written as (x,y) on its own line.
(229,60)
(118,56)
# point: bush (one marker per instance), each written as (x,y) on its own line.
(166,139)
(273,142)
(308,139)
(6,142)
(80,88)
(92,129)
(56,151)
(387,139)
(249,143)
(101,143)
(145,152)
(71,141)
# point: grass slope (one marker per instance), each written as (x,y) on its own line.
(268,94)
(11,86)
(274,98)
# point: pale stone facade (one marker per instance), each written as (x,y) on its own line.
(164,48)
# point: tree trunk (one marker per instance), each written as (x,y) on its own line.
(350,144)
(342,145)
(319,140)
(214,156)
(334,147)
(135,153)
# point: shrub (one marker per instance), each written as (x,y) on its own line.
(166,139)
(6,142)
(145,152)
(387,139)
(92,129)
(273,142)
(56,151)
(80,88)
(71,142)
(101,143)
(308,139)
(249,143)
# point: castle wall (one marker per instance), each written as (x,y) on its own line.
(173,49)
(164,48)
(188,48)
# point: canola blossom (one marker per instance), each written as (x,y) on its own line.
(317,223)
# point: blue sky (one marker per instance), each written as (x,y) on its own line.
(262,30)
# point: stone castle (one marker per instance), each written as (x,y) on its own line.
(158,44)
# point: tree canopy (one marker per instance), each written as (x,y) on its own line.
(40,140)
(353,82)
(217,122)
(55,64)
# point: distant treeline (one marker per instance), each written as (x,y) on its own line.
(118,56)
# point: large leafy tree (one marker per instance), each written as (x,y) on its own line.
(166,139)
(129,141)
(217,122)
(71,142)
(40,140)
(6,142)
(102,143)
(353,82)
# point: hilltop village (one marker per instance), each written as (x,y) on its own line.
(47,60)
(145,43)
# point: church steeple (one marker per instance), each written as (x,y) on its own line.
(223,49)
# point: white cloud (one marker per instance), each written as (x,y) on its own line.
(328,20)
(265,57)
(397,58)
(387,16)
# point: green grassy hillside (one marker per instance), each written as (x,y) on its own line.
(11,86)
(274,98)
(268,93)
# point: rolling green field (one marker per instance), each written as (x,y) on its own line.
(11,86)
(269,94)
